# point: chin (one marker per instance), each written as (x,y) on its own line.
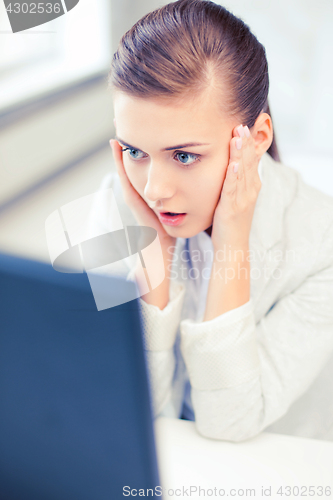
(183,232)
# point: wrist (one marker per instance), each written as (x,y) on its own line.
(168,249)
(232,251)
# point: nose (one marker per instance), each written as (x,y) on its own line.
(159,185)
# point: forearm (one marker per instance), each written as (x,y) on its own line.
(229,285)
(161,369)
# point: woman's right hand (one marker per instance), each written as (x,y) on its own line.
(144,215)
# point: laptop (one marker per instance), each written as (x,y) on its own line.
(75,407)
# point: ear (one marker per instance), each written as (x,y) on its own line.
(262,133)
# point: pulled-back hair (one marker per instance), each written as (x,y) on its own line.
(183,48)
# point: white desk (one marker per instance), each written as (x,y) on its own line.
(268,460)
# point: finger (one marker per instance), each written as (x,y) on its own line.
(118,158)
(230,183)
(128,190)
(249,159)
(236,144)
(236,156)
(117,153)
(242,140)
(247,132)
(239,131)
(245,164)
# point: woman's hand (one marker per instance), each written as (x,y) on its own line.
(234,211)
(144,215)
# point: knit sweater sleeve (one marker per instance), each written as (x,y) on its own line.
(245,375)
(159,327)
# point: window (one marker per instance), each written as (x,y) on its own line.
(51,56)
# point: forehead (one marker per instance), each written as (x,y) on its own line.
(195,118)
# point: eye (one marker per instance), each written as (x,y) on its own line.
(130,150)
(182,154)
(185,155)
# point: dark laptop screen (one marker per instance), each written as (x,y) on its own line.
(75,418)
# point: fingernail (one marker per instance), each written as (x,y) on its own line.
(247,131)
(111,143)
(241,130)
(239,143)
(236,168)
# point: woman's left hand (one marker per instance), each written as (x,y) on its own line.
(234,211)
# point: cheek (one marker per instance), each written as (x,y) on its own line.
(133,174)
(211,187)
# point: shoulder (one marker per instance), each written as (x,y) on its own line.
(295,187)
(303,204)
(307,217)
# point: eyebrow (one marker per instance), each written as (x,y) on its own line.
(180,146)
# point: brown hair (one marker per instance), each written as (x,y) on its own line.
(180,49)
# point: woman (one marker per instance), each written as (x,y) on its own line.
(248,325)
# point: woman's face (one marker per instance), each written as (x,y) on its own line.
(167,174)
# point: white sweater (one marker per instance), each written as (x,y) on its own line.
(261,365)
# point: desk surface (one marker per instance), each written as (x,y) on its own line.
(284,466)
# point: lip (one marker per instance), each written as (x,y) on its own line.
(170,220)
(164,211)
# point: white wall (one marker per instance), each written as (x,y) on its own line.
(37,146)
(298,37)
(64,88)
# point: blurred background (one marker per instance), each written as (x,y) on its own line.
(56,115)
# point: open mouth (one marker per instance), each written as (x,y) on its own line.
(172,213)
(171,218)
